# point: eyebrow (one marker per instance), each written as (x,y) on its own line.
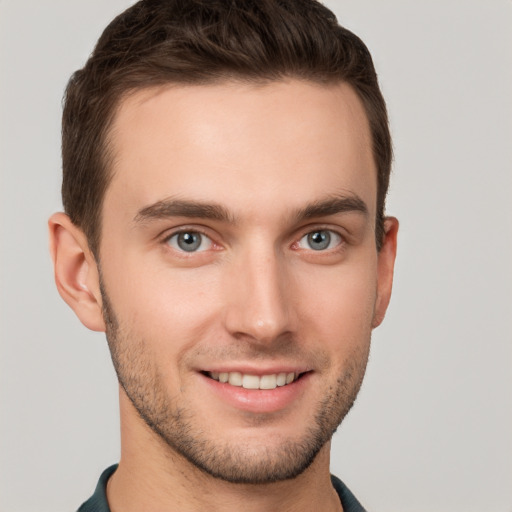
(333,206)
(183,208)
(194,209)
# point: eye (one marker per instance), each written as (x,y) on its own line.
(189,241)
(320,240)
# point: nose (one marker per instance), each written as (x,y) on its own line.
(258,308)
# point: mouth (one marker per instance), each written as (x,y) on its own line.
(248,381)
(258,391)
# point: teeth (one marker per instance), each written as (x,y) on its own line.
(248,381)
(235,378)
(268,382)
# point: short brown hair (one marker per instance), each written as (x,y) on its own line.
(156,42)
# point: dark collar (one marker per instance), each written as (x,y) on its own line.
(98,501)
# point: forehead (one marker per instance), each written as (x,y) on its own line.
(244,145)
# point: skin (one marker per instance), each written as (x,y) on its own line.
(256,296)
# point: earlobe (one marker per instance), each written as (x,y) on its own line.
(385,269)
(76,271)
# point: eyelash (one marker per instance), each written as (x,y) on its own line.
(189,231)
(339,240)
(332,236)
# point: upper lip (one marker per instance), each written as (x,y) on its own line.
(259,370)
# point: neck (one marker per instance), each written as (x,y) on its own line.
(153,477)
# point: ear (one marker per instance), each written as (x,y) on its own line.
(385,268)
(76,271)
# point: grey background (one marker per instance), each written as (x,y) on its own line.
(432,429)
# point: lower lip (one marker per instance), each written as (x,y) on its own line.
(258,400)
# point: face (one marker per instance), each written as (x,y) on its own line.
(239,271)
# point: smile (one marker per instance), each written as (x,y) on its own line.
(248,381)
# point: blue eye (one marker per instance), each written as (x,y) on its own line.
(320,240)
(189,241)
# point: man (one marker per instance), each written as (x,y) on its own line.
(225,172)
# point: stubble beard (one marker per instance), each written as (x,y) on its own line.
(177,426)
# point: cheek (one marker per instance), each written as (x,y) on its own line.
(167,308)
(339,304)
(173,309)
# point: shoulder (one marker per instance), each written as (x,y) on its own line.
(348,500)
(98,501)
